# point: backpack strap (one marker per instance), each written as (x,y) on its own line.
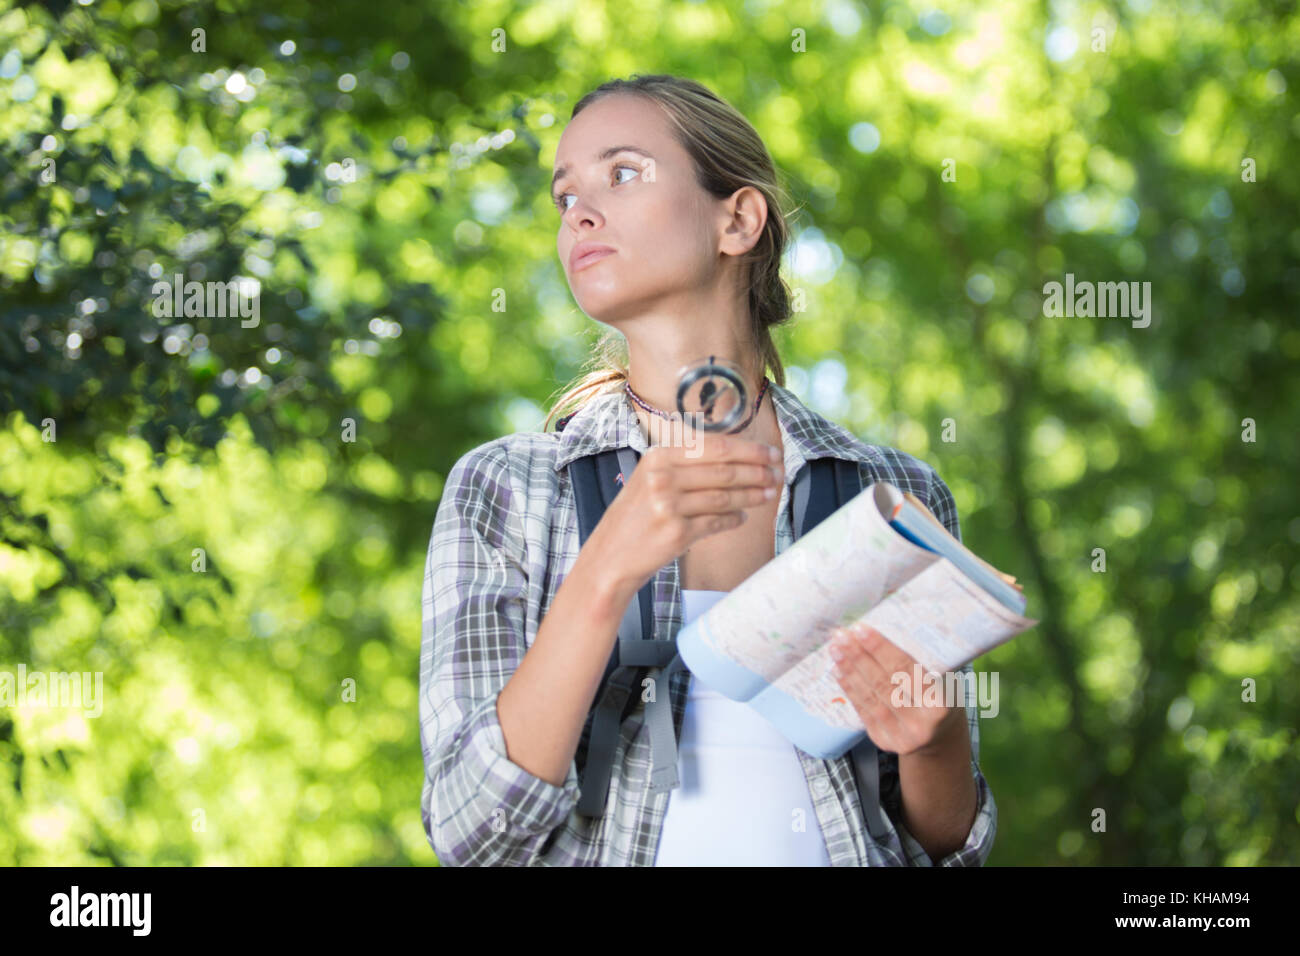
(821,487)
(596,480)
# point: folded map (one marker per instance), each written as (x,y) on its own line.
(882,560)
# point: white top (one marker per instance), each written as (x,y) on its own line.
(743,798)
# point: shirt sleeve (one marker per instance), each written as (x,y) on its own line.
(979,842)
(479,807)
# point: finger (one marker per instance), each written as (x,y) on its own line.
(913,712)
(902,701)
(863,688)
(852,656)
(722,500)
(711,447)
(907,718)
(728,474)
(701,526)
(891,657)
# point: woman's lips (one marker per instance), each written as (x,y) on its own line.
(585,260)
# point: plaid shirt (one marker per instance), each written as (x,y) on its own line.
(505,536)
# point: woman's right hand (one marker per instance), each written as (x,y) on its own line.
(679,494)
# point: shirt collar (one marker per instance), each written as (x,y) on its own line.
(609,421)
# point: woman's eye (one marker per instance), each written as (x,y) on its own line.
(559,200)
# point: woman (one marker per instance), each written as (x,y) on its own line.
(681,258)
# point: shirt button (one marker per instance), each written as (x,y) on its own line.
(822,785)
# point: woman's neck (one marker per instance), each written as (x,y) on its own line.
(764,427)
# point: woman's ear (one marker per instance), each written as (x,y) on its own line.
(746,215)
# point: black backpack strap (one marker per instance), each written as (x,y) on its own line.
(822,486)
(664,661)
(645,655)
(596,480)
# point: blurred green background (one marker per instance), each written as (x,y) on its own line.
(382,169)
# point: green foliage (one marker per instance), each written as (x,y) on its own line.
(924,303)
(224,688)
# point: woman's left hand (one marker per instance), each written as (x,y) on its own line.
(865,671)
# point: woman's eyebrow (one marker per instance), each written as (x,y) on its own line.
(603,154)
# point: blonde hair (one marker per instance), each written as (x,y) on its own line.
(728,154)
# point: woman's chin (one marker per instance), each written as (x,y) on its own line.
(603,306)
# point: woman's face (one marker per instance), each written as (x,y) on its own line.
(645,205)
